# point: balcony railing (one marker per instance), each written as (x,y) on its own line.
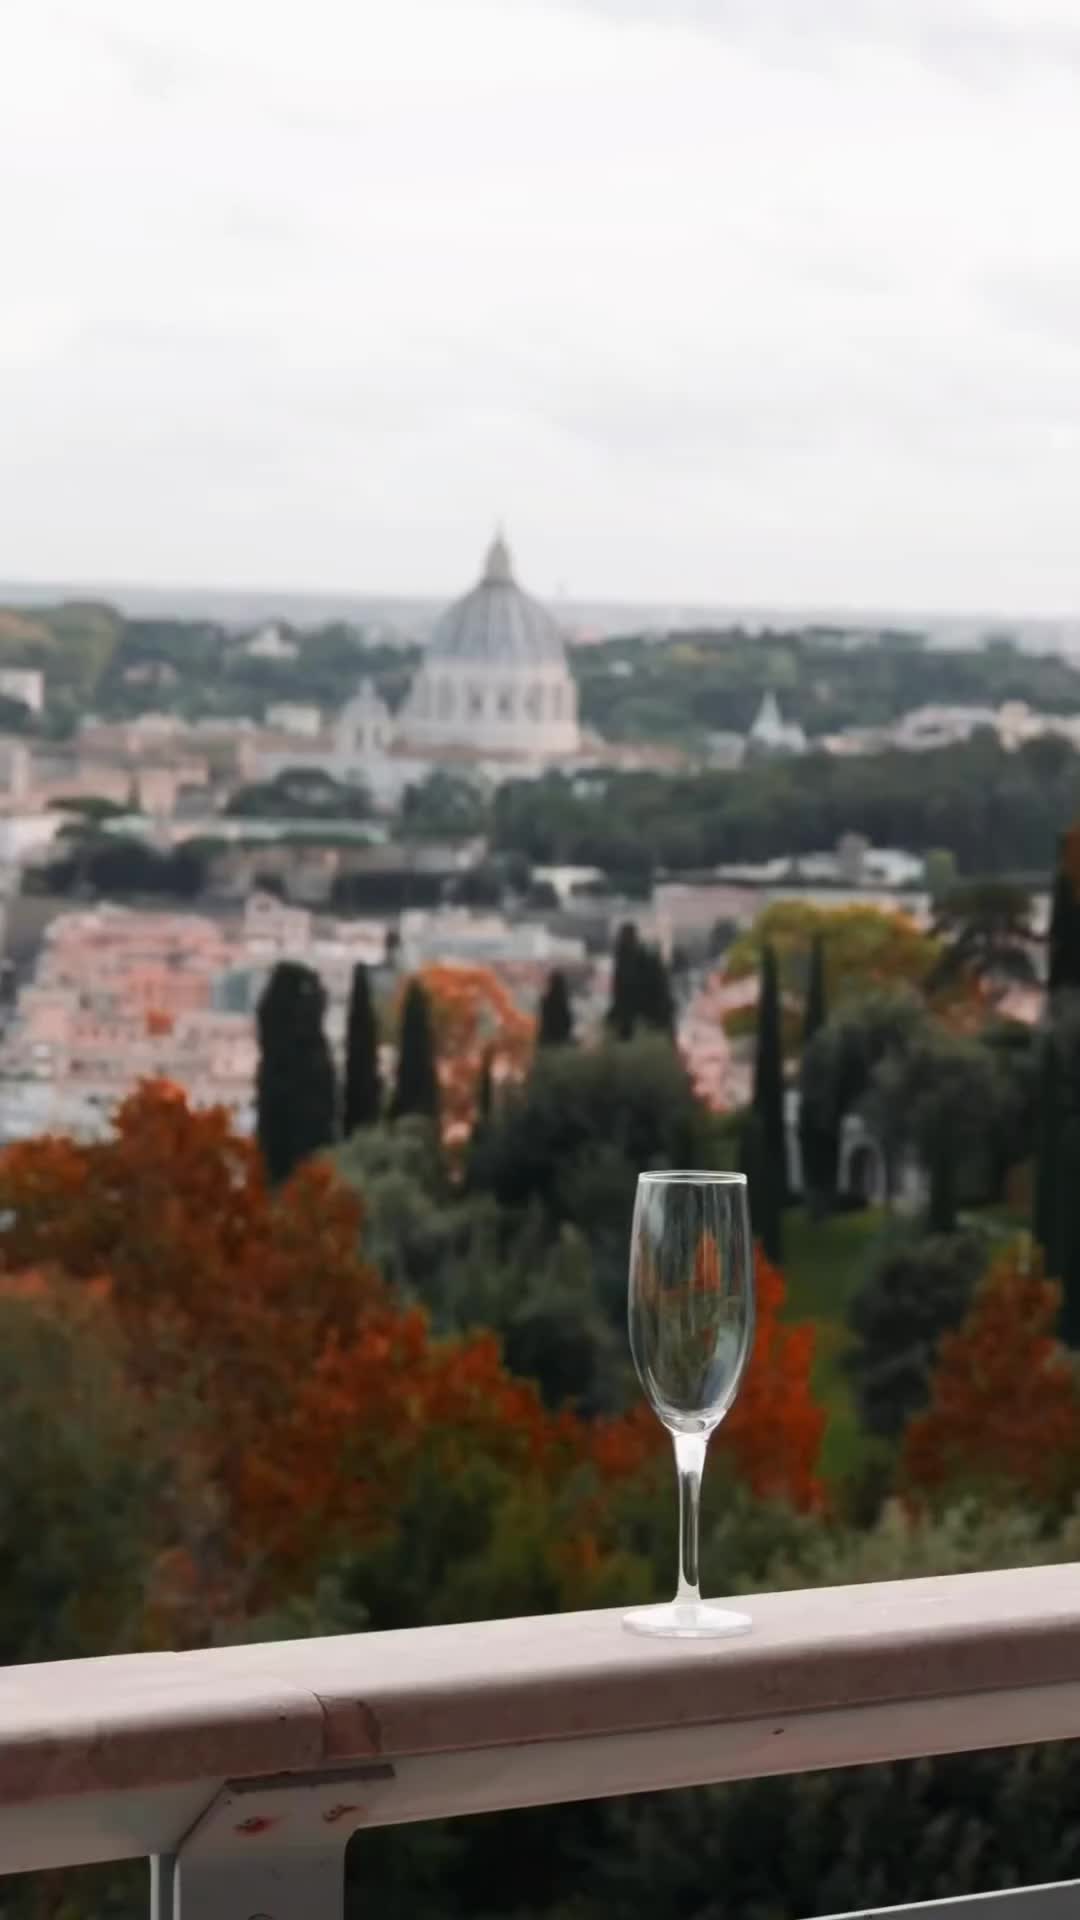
(244,1771)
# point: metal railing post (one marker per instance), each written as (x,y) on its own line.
(272,1849)
(162,1872)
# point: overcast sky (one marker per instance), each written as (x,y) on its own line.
(719,300)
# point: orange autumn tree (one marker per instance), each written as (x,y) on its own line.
(474,1017)
(316,1392)
(1004,1407)
(773,1433)
(317,1400)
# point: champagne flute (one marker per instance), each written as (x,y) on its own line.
(691,1331)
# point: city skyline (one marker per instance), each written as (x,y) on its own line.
(715,309)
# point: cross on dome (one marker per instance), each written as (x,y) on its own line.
(498,566)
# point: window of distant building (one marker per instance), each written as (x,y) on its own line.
(506,703)
(446,699)
(476,703)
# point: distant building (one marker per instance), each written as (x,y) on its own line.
(269,643)
(494,698)
(15,771)
(725,751)
(928,727)
(495,679)
(291,716)
(772,734)
(364,730)
(23,683)
(481,939)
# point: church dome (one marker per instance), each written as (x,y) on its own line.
(495,679)
(497,624)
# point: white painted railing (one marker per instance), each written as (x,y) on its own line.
(243,1771)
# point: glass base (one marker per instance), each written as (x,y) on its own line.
(687,1620)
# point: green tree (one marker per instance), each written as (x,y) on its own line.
(766,1200)
(640,988)
(818,1149)
(1046,1222)
(656,999)
(572,1139)
(814,1011)
(363,1086)
(1064,941)
(625,1008)
(416,1088)
(915,1289)
(1057,1185)
(555,1027)
(838,1067)
(768,1100)
(295,1086)
(93,1487)
(942,1096)
(444,806)
(1070,1229)
(987,931)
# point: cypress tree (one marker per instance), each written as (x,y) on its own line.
(295,1092)
(655,999)
(941,1206)
(818,1147)
(555,1027)
(1046,1222)
(363,1088)
(640,988)
(485,1093)
(1068,1266)
(766,1209)
(769,1074)
(476,1157)
(625,1009)
(814,1012)
(1064,939)
(416,1089)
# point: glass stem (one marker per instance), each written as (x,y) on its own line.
(689,1465)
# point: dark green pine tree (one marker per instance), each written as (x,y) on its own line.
(1064,940)
(485,1092)
(416,1089)
(1068,1264)
(295,1091)
(625,1009)
(815,1011)
(476,1157)
(768,1099)
(766,1207)
(641,993)
(655,999)
(1046,1221)
(363,1087)
(555,1025)
(817,1142)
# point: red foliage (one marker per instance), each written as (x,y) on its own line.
(317,1394)
(474,1017)
(774,1431)
(1004,1406)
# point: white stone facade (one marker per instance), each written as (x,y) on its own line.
(520,709)
(494,695)
(495,679)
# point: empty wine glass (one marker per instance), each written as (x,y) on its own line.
(691,1330)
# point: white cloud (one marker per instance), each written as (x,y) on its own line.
(707,301)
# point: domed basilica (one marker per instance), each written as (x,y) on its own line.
(495,678)
(494,693)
